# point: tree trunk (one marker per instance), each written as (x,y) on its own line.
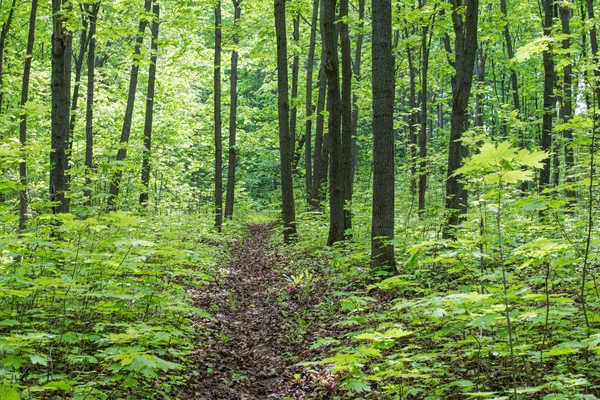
(566,110)
(23,195)
(89,109)
(287,189)
(83,46)
(357,77)
(232,162)
(336,179)
(295,73)
(382,233)
(309,105)
(320,166)
(480,62)
(426,36)
(217,118)
(61,109)
(346,115)
(147,155)
(126,130)
(3,35)
(465,51)
(549,98)
(412,114)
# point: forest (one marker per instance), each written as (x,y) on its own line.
(299,199)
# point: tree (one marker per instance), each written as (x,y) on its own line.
(150,107)
(346,109)
(232,162)
(549,98)
(287,189)
(23,196)
(357,77)
(89,107)
(3,35)
(566,109)
(464,21)
(295,73)
(217,120)
(382,231)
(61,108)
(127,120)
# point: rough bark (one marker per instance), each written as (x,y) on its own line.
(357,77)
(89,108)
(465,49)
(334,107)
(287,189)
(147,155)
(23,195)
(3,35)
(382,232)
(217,119)
(127,120)
(232,152)
(61,110)
(549,98)
(346,115)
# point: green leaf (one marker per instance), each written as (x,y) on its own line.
(358,386)
(9,394)
(532,158)
(61,385)
(37,359)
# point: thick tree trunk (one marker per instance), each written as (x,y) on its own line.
(465,30)
(287,189)
(232,161)
(61,110)
(89,109)
(23,195)
(346,115)
(549,98)
(357,77)
(336,179)
(382,233)
(126,130)
(3,35)
(147,155)
(217,118)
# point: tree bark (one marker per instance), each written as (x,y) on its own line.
(232,162)
(382,232)
(357,77)
(147,155)
(89,108)
(465,50)
(61,109)
(566,110)
(346,116)
(287,189)
(23,195)
(217,118)
(3,35)
(126,130)
(295,73)
(336,179)
(412,114)
(549,98)
(426,36)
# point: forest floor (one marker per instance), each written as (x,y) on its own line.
(265,322)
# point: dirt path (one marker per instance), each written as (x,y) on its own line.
(250,350)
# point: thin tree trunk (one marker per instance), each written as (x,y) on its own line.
(480,62)
(426,36)
(287,189)
(147,155)
(549,98)
(346,115)
(83,45)
(217,118)
(126,130)
(320,166)
(23,196)
(336,179)
(89,109)
(357,77)
(566,110)
(465,51)
(61,109)
(382,232)
(232,162)
(309,104)
(295,73)
(412,115)
(3,35)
